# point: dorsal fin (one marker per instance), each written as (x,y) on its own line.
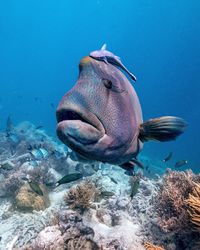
(104,47)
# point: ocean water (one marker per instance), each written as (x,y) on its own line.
(42,42)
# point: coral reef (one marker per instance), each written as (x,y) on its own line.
(194,206)
(172,209)
(150,246)
(11,184)
(81,196)
(27,200)
(106,210)
(71,233)
(41,174)
(171,206)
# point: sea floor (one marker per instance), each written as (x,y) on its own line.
(109,217)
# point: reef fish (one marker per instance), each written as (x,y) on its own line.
(103,125)
(108,57)
(69,178)
(180,163)
(36,187)
(168,157)
(135,183)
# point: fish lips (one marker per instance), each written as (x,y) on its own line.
(78,127)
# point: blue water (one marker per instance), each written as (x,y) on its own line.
(41,43)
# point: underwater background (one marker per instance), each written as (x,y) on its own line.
(49,199)
(41,43)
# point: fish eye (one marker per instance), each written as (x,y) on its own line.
(107,83)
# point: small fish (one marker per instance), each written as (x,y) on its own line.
(69,178)
(107,193)
(109,57)
(147,167)
(35,187)
(168,157)
(7,165)
(113,180)
(36,99)
(39,127)
(180,163)
(9,125)
(135,183)
(52,105)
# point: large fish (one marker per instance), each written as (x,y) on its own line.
(102,124)
(108,57)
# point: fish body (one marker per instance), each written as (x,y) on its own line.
(108,57)
(69,178)
(113,180)
(135,183)
(168,157)
(99,124)
(107,193)
(9,125)
(180,163)
(36,187)
(39,127)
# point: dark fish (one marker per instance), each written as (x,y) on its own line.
(52,105)
(92,122)
(147,167)
(9,125)
(135,183)
(39,127)
(36,188)
(69,178)
(129,172)
(7,165)
(30,147)
(113,180)
(36,98)
(180,163)
(168,157)
(107,193)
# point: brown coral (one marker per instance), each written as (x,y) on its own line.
(194,205)
(27,200)
(171,206)
(81,196)
(150,246)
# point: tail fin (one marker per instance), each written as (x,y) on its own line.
(165,128)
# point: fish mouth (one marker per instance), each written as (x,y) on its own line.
(77,126)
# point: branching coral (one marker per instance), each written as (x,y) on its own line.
(171,206)
(150,246)
(12,184)
(41,174)
(81,196)
(194,206)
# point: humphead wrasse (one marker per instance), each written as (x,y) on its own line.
(100,118)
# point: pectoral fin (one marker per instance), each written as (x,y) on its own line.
(165,128)
(129,166)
